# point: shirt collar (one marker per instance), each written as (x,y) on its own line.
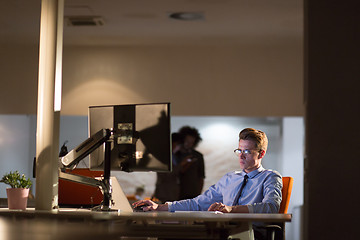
(252,173)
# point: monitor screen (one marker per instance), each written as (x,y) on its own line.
(141,136)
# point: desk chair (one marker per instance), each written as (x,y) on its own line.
(271,230)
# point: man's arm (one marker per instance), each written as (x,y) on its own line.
(272,196)
(218,206)
(150,206)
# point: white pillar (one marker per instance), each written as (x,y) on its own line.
(47,133)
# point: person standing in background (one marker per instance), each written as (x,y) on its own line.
(192,167)
(167,186)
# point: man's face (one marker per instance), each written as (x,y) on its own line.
(189,142)
(249,161)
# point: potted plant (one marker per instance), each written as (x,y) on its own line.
(19,191)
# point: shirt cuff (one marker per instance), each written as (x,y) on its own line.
(169,206)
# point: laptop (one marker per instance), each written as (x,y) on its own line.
(120,200)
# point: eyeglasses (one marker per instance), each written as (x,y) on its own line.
(244,152)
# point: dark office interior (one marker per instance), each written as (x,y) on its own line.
(299,57)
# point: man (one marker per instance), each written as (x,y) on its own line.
(192,169)
(252,190)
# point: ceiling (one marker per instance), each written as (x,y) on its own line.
(146,22)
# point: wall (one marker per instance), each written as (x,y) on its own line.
(19,73)
(332,120)
(292,165)
(16,149)
(212,79)
(262,80)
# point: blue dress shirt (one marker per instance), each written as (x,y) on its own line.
(261,194)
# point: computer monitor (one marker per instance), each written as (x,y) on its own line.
(141,139)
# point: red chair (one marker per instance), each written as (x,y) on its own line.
(286,193)
(277,231)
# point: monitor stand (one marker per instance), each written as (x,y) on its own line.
(107,191)
(103,184)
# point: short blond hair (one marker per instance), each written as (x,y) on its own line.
(258,137)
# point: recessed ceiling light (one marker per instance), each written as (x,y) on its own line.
(187,16)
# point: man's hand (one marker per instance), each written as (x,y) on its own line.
(220,207)
(150,206)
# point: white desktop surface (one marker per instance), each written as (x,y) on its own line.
(179,215)
(66,224)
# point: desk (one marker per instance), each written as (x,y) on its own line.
(70,224)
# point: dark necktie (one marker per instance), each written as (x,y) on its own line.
(240,191)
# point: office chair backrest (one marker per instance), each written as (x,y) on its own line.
(286,193)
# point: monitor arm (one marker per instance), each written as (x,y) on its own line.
(71,159)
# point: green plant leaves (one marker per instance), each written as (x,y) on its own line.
(15,180)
